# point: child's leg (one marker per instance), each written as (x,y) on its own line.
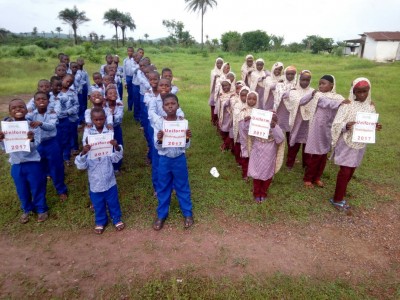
(320,167)
(136,102)
(154,168)
(264,187)
(212,107)
(129,89)
(343,177)
(74,135)
(118,137)
(236,152)
(100,208)
(311,167)
(82,107)
(165,177)
(245,166)
(143,115)
(304,156)
(181,184)
(65,138)
(113,205)
(36,177)
(22,187)
(291,155)
(120,90)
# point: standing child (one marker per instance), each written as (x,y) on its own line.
(102,183)
(98,101)
(247,68)
(85,87)
(215,74)
(49,148)
(119,74)
(236,110)
(42,86)
(109,61)
(167,74)
(348,154)
(128,69)
(172,169)
(223,109)
(97,85)
(26,169)
(270,85)
(257,79)
(136,87)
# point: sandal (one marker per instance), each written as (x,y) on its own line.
(341,205)
(257,200)
(308,184)
(43,217)
(319,183)
(188,222)
(24,218)
(63,197)
(119,226)
(158,224)
(99,229)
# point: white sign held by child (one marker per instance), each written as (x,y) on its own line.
(100,145)
(364,129)
(260,123)
(174,133)
(16,136)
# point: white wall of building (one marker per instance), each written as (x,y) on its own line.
(380,51)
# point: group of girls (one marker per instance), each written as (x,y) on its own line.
(316,120)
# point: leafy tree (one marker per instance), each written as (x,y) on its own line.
(146,36)
(126,22)
(102,37)
(177,34)
(4,33)
(73,17)
(35,31)
(294,47)
(59,29)
(255,41)
(113,17)
(201,7)
(231,41)
(318,44)
(277,41)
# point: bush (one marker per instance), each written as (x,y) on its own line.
(255,41)
(166,49)
(41,59)
(46,44)
(230,41)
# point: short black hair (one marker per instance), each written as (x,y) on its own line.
(54,78)
(15,99)
(170,95)
(41,93)
(97,110)
(166,70)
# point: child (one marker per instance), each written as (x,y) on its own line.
(109,61)
(97,85)
(270,84)
(42,86)
(86,81)
(79,82)
(348,154)
(247,68)
(224,113)
(128,69)
(167,74)
(136,87)
(102,184)
(55,105)
(49,148)
(298,123)
(98,101)
(236,110)
(26,169)
(215,74)
(323,105)
(172,169)
(60,71)
(257,79)
(119,75)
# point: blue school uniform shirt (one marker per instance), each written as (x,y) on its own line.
(174,89)
(23,156)
(53,105)
(135,70)
(100,170)
(69,105)
(118,112)
(48,129)
(109,116)
(143,82)
(168,152)
(85,77)
(79,81)
(156,110)
(128,66)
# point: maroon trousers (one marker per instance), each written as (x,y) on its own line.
(244,161)
(315,167)
(343,177)
(236,153)
(214,117)
(260,187)
(226,140)
(292,153)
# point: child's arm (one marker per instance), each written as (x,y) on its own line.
(307,98)
(117,155)
(74,108)
(118,114)
(324,102)
(188,138)
(88,120)
(276,130)
(81,160)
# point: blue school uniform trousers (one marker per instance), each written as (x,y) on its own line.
(129,89)
(173,173)
(64,137)
(118,137)
(136,102)
(103,200)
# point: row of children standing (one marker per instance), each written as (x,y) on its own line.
(59,108)
(302,116)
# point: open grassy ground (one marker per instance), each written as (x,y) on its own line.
(228,197)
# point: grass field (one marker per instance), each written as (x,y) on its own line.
(375,181)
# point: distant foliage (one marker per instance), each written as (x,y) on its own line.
(318,44)
(255,41)
(231,41)
(294,47)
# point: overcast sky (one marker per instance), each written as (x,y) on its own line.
(292,19)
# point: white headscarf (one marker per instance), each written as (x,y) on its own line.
(245,69)
(256,75)
(215,72)
(283,87)
(272,80)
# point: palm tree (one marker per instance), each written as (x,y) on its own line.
(200,6)
(59,29)
(126,22)
(113,17)
(146,36)
(73,17)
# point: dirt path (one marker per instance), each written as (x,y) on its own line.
(365,245)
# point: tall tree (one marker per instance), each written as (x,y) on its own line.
(113,17)
(126,22)
(59,29)
(73,17)
(34,31)
(201,7)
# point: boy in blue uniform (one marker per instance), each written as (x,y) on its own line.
(102,183)
(26,169)
(172,169)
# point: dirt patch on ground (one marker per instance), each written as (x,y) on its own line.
(364,246)
(4,100)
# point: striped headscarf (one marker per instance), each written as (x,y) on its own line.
(283,87)
(245,69)
(271,80)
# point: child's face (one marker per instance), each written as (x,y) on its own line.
(290,75)
(226,87)
(98,119)
(56,87)
(361,93)
(74,68)
(243,95)
(116,60)
(112,71)
(153,80)
(170,106)
(219,63)
(109,59)
(98,79)
(80,63)
(44,86)
(167,75)
(238,87)
(164,87)
(305,81)
(41,101)
(226,69)
(260,66)
(249,62)
(65,59)
(17,109)
(142,66)
(325,86)
(251,99)
(107,80)
(130,52)
(96,98)
(67,82)
(140,52)
(61,71)
(112,95)
(278,71)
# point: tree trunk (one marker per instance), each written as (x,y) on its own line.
(75,37)
(202,17)
(123,37)
(116,34)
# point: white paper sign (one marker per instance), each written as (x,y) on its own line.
(16,136)
(174,133)
(260,123)
(100,145)
(364,129)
